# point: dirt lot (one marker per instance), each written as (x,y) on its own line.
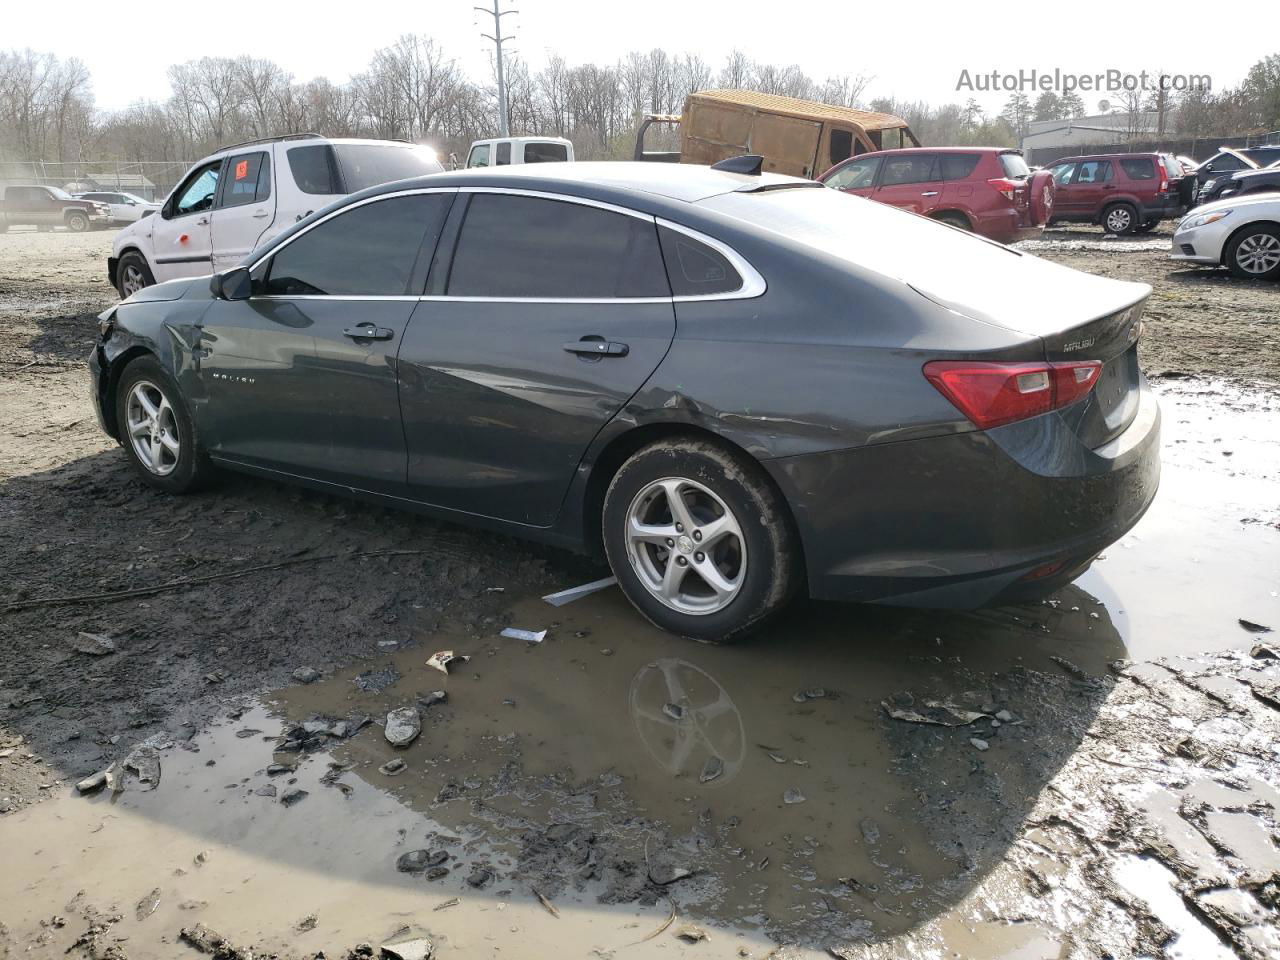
(1103,780)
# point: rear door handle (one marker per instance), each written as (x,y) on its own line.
(367,331)
(597,348)
(929,193)
(259,214)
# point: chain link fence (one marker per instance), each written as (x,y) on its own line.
(148,179)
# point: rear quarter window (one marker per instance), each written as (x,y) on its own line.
(314,169)
(958,166)
(1138,168)
(1014,166)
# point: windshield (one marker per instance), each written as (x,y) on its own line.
(367,164)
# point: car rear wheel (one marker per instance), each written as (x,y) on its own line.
(77,222)
(156,429)
(957,220)
(699,540)
(132,274)
(1254,253)
(1119,218)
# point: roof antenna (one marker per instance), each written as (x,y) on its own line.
(750,164)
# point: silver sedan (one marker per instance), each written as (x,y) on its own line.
(1239,233)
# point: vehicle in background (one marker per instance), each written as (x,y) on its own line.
(505,151)
(245,194)
(566,352)
(1240,233)
(796,137)
(988,190)
(1241,182)
(1123,192)
(122,207)
(1229,160)
(47,207)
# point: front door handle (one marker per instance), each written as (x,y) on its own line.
(367,331)
(929,193)
(259,214)
(597,348)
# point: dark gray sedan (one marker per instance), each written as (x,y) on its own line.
(737,387)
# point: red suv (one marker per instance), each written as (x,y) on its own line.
(988,190)
(1124,192)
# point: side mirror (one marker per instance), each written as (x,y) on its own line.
(234,284)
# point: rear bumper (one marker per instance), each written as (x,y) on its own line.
(959,521)
(1004,226)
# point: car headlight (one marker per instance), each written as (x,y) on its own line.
(1203,220)
(1209,184)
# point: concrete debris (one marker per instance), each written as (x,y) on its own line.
(417,948)
(402,727)
(144,764)
(94,644)
(92,782)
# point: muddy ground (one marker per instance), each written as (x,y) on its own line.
(1104,781)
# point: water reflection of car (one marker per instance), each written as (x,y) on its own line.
(732,384)
(1239,233)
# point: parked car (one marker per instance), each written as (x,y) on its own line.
(988,190)
(502,152)
(49,207)
(1240,233)
(122,207)
(1229,160)
(798,137)
(1123,192)
(1241,182)
(245,194)
(685,368)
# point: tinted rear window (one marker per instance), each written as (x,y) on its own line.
(314,169)
(367,165)
(1138,168)
(514,246)
(907,168)
(958,166)
(545,152)
(1262,157)
(1014,166)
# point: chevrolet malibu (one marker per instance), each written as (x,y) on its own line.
(736,387)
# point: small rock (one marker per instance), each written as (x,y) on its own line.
(393,767)
(93,782)
(1261,651)
(276,769)
(1004,716)
(266,790)
(711,769)
(415,861)
(793,796)
(428,700)
(437,873)
(375,681)
(1252,627)
(403,726)
(306,675)
(292,796)
(94,644)
(979,744)
(480,877)
(306,923)
(691,934)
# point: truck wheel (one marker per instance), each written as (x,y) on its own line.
(132,274)
(699,540)
(156,430)
(77,222)
(1120,219)
(1254,253)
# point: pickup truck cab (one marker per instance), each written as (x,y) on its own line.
(512,150)
(48,207)
(246,194)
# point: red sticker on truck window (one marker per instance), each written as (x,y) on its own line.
(242,169)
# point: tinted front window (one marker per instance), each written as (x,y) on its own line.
(854,176)
(248,179)
(907,168)
(1138,168)
(545,152)
(696,269)
(526,247)
(314,169)
(1014,166)
(367,165)
(370,250)
(199,190)
(958,166)
(1263,157)
(841,145)
(1094,171)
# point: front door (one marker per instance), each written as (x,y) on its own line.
(246,206)
(857,177)
(181,244)
(302,377)
(1090,188)
(1063,201)
(912,181)
(554,315)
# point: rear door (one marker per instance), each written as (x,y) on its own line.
(245,208)
(181,243)
(550,315)
(301,377)
(911,181)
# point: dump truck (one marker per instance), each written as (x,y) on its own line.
(802,138)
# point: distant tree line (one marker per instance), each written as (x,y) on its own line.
(414,90)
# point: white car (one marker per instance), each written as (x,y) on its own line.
(124,207)
(244,195)
(1239,233)
(513,150)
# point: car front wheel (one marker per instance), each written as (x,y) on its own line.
(1254,253)
(699,540)
(156,429)
(132,274)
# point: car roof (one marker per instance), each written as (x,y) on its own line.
(521,140)
(897,150)
(1106,156)
(671,181)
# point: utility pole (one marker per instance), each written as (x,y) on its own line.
(498,39)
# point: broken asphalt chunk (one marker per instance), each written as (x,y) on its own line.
(94,644)
(393,768)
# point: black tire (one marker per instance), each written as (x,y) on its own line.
(957,220)
(1148,225)
(76,221)
(767,572)
(133,261)
(190,468)
(1120,219)
(1254,253)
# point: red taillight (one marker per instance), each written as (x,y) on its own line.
(1164,178)
(991,394)
(1005,187)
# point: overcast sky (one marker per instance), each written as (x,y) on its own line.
(914,50)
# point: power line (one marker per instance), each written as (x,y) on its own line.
(498,39)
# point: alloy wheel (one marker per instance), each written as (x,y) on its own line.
(132,281)
(153,428)
(1118,220)
(686,546)
(1258,254)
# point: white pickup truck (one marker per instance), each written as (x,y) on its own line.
(512,150)
(245,194)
